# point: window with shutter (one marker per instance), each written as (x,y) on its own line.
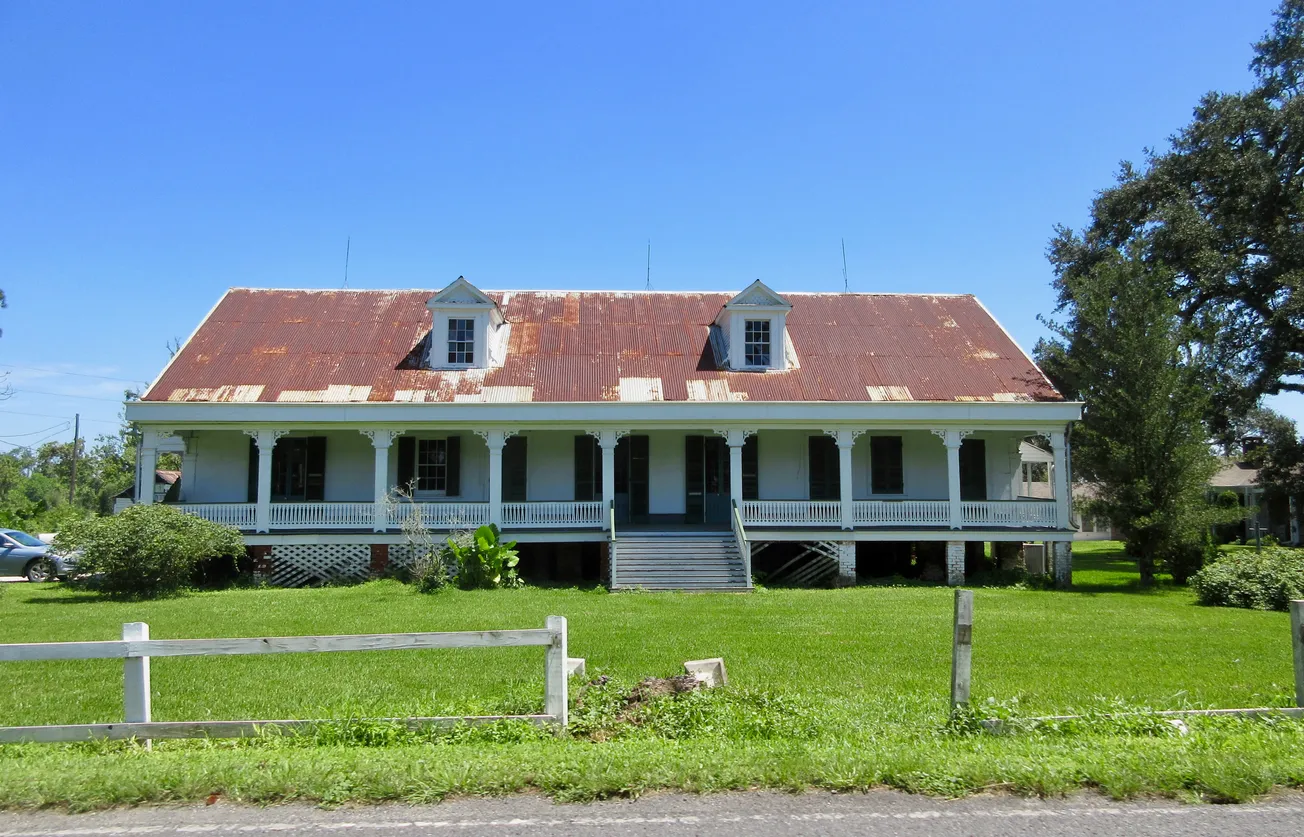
(751,469)
(514,470)
(825,470)
(886,467)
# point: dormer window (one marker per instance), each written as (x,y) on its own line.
(461,341)
(756,344)
(750,333)
(467,329)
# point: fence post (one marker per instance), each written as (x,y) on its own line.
(555,698)
(961,648)
(1297,642)
(135,676)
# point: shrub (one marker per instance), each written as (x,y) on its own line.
(147,550)
(483,560)
(1265,580)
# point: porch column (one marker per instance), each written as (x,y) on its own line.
(266,441)
(1062,498)
(953,439)
(148,458)
(607,440)
(736,439)
(846,440)
(495,439)
(381,440)
(189,464)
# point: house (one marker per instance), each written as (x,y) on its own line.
(167,488)
(651,439)
(1276,517)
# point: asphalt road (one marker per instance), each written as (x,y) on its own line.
(879,812)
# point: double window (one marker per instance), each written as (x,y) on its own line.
(756,343)
(461,341)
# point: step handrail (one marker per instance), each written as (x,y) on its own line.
(740,538)
(611,541)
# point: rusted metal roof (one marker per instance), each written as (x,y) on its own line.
(352,346)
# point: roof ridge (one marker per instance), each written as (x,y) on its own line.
(593,291)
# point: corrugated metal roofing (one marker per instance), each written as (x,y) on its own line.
(349,346)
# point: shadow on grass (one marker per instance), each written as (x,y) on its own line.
(77,598)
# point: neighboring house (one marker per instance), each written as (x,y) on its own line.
(167,489)
(807,431)
(1274,517)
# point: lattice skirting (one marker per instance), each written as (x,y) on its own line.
(310,565)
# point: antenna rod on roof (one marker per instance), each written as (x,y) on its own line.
(348,245)
(647,286)
(845,285)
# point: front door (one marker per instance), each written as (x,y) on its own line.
(973,469)
(706,480)
(632,468)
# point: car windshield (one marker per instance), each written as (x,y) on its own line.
(23,538)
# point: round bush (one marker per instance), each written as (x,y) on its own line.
(148,550)
(1265,580)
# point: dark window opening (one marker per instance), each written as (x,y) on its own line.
(887,472)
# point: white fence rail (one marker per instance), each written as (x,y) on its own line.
(791,512)
(240,515)
(550,515)
(322,515)
(1015,514)
(136,648)
(901,513)
(442,515)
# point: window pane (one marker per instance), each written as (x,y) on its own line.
(432,464)
(756,342)
(461,341)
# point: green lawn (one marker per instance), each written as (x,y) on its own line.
(869,665)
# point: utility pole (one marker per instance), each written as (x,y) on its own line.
(72,481)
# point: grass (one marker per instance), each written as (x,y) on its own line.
(865,669)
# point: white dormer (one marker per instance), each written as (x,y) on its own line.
(754,327)
(467,329)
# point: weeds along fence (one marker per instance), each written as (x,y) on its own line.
(962,665)
(136,649)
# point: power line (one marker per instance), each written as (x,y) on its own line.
(33,445)
(78,374)
(69,395)
(63,426)
(52,415)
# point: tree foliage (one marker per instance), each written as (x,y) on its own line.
(147,550)
(1222,210)
(1121,349)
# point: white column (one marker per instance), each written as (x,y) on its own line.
(266,441)
(495,439)
(607,442)
(846,440)
(189,465)
(736,439)
(1062,497)
(953,439)
(381,440)
(148,457)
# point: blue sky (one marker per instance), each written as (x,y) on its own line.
(159,153)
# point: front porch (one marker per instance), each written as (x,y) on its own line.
(875,479)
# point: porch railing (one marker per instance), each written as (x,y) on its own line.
(441,515)
(791,512)
(901,513)
(240,515)
(322,515)
(552,515)
(1014,514)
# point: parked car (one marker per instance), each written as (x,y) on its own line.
(28,556)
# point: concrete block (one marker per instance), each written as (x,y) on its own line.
(574,666)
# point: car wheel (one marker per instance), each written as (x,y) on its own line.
(39,569)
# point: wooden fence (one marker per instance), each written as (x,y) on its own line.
(962,664)
(136,648)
